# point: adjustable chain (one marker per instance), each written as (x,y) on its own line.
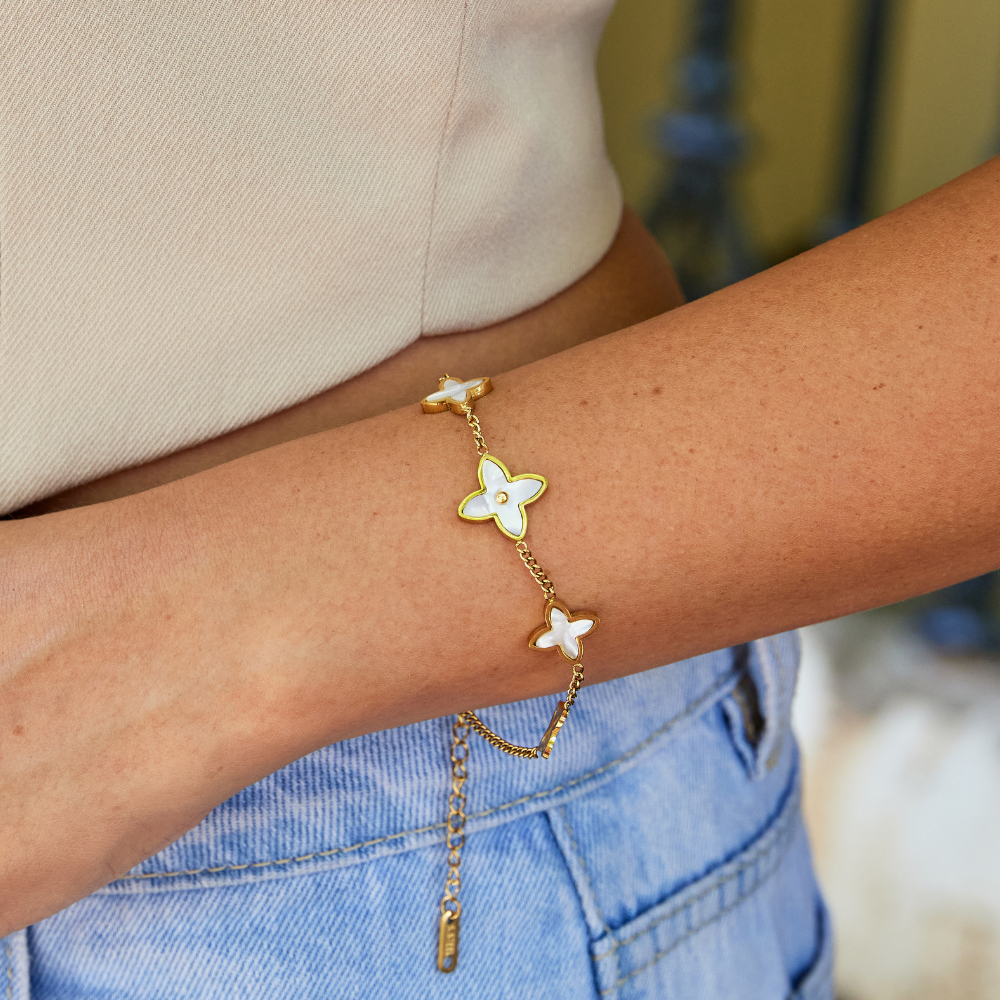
(451,907)
(562,629)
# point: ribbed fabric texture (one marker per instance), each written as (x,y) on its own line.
(212,211)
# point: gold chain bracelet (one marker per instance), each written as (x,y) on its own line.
(501,499)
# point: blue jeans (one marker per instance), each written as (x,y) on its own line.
(658,853)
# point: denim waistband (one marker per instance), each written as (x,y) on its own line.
(387,792)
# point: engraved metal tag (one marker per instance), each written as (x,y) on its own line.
(549,739)
(448,942)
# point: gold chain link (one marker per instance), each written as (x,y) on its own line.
(477,431)
(548,588)
(529,753)
(451,907)
(474,722)
(574,685)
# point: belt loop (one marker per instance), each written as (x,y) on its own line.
(759,709)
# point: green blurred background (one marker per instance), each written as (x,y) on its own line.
(937,103)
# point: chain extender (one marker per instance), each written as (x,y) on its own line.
(451,907)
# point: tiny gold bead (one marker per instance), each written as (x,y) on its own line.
(501,497)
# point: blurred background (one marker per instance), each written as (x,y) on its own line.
(747,131)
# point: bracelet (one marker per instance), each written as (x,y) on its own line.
(501,498)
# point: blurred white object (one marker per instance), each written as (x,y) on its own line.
(815,701)
(905,811)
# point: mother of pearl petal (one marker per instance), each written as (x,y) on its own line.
(477,507)
(493,477)
(507,513)
(448,392)
(565,633)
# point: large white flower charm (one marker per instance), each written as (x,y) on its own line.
(456,394)
(564,630)
(502,497)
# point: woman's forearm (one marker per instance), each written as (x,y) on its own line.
(819,439)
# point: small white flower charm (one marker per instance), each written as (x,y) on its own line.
(454,393)
(502,497)
(564,630)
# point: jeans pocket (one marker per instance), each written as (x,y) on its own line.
(752,928)
(694,879)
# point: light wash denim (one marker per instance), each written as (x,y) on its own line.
(658,853)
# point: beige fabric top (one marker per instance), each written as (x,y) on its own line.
(211,211)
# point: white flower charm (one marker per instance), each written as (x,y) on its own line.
(456,394)
(502,497)
(564,630)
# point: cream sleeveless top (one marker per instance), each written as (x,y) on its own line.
(212,211)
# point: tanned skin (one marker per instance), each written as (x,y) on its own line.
(819,439)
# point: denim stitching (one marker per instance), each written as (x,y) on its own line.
(690,710)
(783,694)
(676,944)
(776,834)
(694,930)
(583,867)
